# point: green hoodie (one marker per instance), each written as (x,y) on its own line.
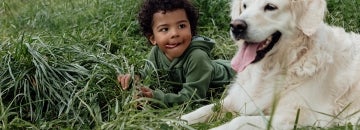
(188,76)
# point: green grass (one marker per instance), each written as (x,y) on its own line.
(60,58)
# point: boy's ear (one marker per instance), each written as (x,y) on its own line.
(152,39)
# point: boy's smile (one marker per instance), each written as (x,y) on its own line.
(170,46)
(171,32)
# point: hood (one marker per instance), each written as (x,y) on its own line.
(203,43)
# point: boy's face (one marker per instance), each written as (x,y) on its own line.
(171,32)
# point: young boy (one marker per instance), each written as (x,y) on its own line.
(180,58)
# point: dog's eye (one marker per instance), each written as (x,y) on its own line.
(270,7)
(244,6)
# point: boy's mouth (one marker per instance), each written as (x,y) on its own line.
(172,45)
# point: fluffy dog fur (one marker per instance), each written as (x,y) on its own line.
(312,68)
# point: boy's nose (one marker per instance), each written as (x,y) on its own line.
(174,33)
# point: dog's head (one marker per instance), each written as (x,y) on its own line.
(258,25)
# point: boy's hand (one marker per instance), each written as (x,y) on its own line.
(124,81)
(146,92)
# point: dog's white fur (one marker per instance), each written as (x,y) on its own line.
(314,68)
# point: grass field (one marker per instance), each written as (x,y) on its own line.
(60,58)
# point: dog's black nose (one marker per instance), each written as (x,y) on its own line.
(238,26)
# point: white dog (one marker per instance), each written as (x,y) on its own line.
(293,69)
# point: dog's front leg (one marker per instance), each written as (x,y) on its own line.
(204,113)
(199,115)
(245,123)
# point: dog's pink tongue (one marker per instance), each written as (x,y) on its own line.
(244,57)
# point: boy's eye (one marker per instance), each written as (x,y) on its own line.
(182,26)
(163,29)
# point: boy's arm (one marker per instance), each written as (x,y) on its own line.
(198,75)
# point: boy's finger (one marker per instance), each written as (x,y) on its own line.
(119,78)
(123,82)
(126,82)
(143,89)
(146,92)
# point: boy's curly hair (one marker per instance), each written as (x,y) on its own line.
(149,7)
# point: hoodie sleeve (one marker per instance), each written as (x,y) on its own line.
(198,72)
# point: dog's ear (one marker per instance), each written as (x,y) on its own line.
(309,14)
(235,7)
